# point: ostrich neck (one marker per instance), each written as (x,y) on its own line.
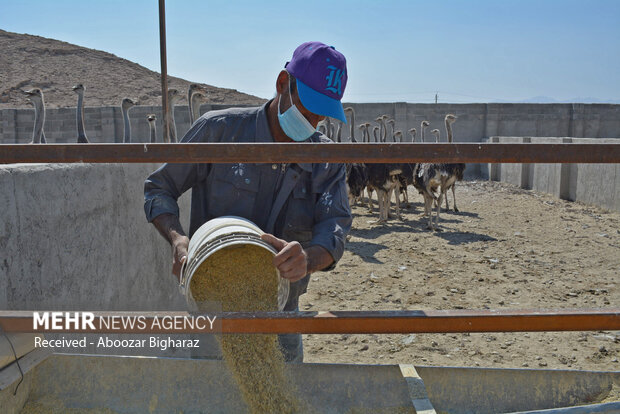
(190,104)
(39,120)
(172,127)
(194,108)
(127,135)
(352,129)
(153,131)
(449,131)
(80,115)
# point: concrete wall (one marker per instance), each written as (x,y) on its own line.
(74,237)
(476,122)
(597,184)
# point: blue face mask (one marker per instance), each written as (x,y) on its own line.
(293,123)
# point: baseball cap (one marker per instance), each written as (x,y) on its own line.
(321,73)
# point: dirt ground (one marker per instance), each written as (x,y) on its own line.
(507,248)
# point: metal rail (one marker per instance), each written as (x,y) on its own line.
(303,152)
(359,322)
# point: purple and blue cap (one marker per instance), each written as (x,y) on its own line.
(321,73)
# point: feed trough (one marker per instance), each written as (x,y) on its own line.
(123,384)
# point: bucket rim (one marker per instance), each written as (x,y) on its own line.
(232,239)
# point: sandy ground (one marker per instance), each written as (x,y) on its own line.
(507,248)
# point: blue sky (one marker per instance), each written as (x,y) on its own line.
(466,51)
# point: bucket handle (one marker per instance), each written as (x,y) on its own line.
(182,287)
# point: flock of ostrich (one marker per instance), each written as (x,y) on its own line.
(194,95)
(431,180)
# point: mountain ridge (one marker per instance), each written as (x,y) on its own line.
(54,66)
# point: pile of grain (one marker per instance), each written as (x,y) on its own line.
(243,278)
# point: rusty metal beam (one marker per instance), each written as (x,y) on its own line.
(444,321)
(300,152)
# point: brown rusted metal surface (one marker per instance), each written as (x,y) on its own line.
(446,321)
(300,152)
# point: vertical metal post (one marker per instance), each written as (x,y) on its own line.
(164,68)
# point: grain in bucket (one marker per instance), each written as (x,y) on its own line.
(228,264)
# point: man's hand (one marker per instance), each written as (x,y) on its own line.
(291,260)
(169,226)
(179,254)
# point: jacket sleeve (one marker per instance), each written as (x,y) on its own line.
(333,217)
(163,187)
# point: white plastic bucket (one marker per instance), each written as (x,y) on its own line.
(220,233)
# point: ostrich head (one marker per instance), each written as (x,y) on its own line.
(450,118)
(79,88)
(196,90)
(424,124)
(436,133)
(151,118)
(33,95)
(173,96)
(398,136)
(348,109)
(128,103)
(194,87)
(391,122)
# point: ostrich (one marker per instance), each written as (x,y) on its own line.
(391,122)
(436,133)
(126,104)
(459,168)
(329,128)
(423,126)
(152,118)
(352,124)
(35,97)
(79,115)
(383,178)
(430,177)
(376,130)
(195,94)
(173,97)
(382,120)
(398,136)
(406,177)
(339,133)
(364,129)
(366,139)
(412,132)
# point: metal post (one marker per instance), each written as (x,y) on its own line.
(164,67)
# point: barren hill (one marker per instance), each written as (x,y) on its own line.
(28,61)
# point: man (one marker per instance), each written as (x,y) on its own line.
(303,208)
